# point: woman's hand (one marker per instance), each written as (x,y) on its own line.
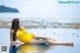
(14,43)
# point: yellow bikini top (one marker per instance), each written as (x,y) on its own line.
(24,36)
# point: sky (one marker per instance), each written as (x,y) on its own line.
(43,8)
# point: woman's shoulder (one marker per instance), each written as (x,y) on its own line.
(22,28)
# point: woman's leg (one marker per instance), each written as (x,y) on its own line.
(51,41)
(59,43)
(40,36)
(35,41)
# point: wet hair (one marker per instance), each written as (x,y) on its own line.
(15,26)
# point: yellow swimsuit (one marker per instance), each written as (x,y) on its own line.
(24,36)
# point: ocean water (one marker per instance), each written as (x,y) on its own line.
(60,34)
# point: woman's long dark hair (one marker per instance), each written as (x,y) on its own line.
(15,26)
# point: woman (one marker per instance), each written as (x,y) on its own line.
(17,32)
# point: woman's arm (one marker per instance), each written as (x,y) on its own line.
(11,38)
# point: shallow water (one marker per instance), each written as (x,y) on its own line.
(61,34)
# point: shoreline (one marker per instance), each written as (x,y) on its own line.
(43,24)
